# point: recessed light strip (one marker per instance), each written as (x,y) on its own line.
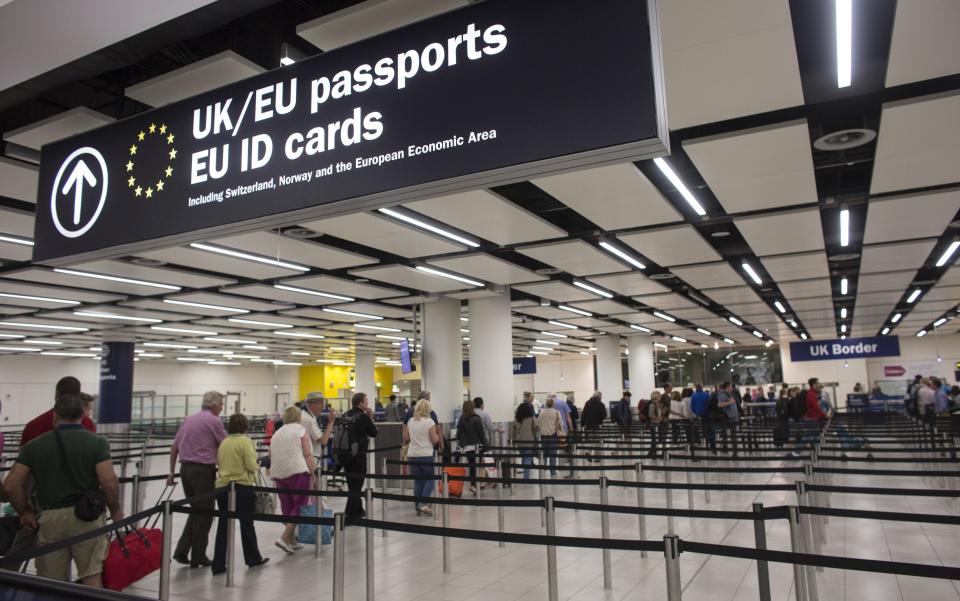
(102,315)
(622,254)
(351,313)
(42,299)
(16,240)
(204,306)
(113,278)
(430,228)
(945,257)
(451,276)
(313,292)
(184,331)
(680,186)
(575,310)
(42,326)
(247,257)
(664,316)
(591,288)
(255,322)
(844,11)
(914,295)
(753,274)
(845,227)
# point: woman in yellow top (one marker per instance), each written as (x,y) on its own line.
(237,459)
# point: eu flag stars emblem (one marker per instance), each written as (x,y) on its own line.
(153,146)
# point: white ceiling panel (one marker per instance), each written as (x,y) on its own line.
(951,277)
(225,300)
(758,168)
(714,275)
(727,59)
(680,245)
(590,322)
(603,307)
(370,18)
(905,217)
(629,284)
(283,248)
(196,78)
(163,275)
(408,300)
(822,303)
(881,282)
(15,252)
(575,257)
(488,268)
(925,42)
(270,293)
(384,234)
(549,312)
(878,299)
(943,293)
(918,143)
(15,222)
(667,301)
(6,309)
(18,180)
(558,291)
(794,231)
(796,267)
(806,289)
(693,314)
(894,257)
(409,277)
(46,276)
(750,310)
(85,296)
(613,197)
(488,216)
(478,293)
(374,309)
(325,283)
(191,257)
(733,295)
(62,125)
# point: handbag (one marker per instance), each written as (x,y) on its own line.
(263,502)
(90,502)
(131,557)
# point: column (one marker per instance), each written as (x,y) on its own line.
(609,369)
(491,355)
(366,379)
(114,405)
(442,356)
(640,366)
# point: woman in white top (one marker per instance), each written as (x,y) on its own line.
(292,467)
(550,431)
(420,434)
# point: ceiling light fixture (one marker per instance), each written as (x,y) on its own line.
(66,354)
(844,42)
(591,288)
(151,355)
(705,332)
(550,342)
(728,341)
(350,313)
(936,324)
(206,351)
(42,326)
(659,345)
(16,240)
(42,299)
(561,324)
(223,363)
(41,342)
(12,336)
(914,295)
(313,292)
(538,353)
(779,306)
(844,227)
(19,349)
(664,316)
(204,306)
(948,253)
(793,323)
(377,328)
(621,254)
(843,327)
(843,312)
(843,286)
(678,339)
(168,345)
(884,331)
(803,336)
(255,322)
(758,334)
(299,353)
(542,348)
(641,328)
(921,333)
(230,340)
(575,310)
(116,316)
(220,250)
(192,359)
(554,334)
(386,337)
(680,186)
(735,321)
(113,278)
(896,318)
(300,335)
(184,331)
(753,274)
(450,276)
(430,228)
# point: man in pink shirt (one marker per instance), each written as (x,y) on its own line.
(196,446)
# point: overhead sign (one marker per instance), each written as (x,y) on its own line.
(496,92)
(116,383)
(894,371)
(521,366)
(850,348)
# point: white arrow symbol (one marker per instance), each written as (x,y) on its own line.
(80,172)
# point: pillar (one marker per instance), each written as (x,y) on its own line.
(366,380)
(491,355)
(640,366)
(114,404)
(442,356)
(609,369)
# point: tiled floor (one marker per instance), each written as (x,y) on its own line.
(409,567)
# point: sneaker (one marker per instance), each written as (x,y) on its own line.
(289,550)
(296,546)
(426,510)
(473,489)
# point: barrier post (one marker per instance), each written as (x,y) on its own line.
(763,569)
(642,519)
(339,544)
(690,490)
(383,491)
(501,522)
(231,532)
(817,523)
(165,552)
(136,492)
(123,476)
(551,551)
(316,527)
(671,554)
(811,541)
(542,472)
(605,534)
(574,463)
(368,544)
(669,493)
(445,510)
(799,579)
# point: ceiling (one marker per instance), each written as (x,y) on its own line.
(616,249)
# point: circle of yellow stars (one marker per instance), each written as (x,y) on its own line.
(149,188)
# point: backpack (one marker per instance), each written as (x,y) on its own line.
(346,446)
(798,405)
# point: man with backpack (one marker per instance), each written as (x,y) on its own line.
(351,439)
(805,408)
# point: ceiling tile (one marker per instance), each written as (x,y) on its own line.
(880,282)
(790,232)
(325,283)
(575,257)
(714,275)
(733,294)
(906,217)
(488,268)
(894,257)
(15,222)
(191,257)
(82,295)
(603,307)
(18,180)
(925,44)
(200,76)
(408,277)
(797,267)
(557,291)
(629,284)
(62,125)
(672,246)
(383,233)
(667,301)
(806,289)
(264,291)
(312,253)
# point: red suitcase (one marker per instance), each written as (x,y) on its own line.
(455,486)
(132,557)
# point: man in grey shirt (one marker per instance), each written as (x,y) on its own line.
(488,424)
(727,402)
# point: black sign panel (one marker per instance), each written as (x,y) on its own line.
(495,92)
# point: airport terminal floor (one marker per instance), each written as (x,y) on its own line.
(656,299)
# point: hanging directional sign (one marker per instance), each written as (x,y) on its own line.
(497,92)
(845,348)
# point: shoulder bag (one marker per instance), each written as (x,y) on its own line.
(90,503)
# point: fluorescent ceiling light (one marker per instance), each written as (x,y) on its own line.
(542,348)
(386,337)
(115,316)
(803,336)
(58,343)
(350,313)
(914,295)
(844,284)
(664,316)
(16,240)
(229,340)
(896,318)
(207,351)
(256,347)
(430,228)
(757,334)
(641,328)
(18,349)
(168,345)
(705,332)
(936,324)
(340,348)
(300,335)
(313,292)
(204,306)
(884,331)
(728,341)
(584,353)
(293,363)
(286,61)
(152,355)
(623,255)
(113,278)
(657,344)
(192,359)
(12,336)
(948,253)
(793,323)
(779,306)
(42,299)
(538,353)
(42,326)
(561,324)
(680,186)
(921,333)
(678,339)
(377,328)
(299,353)
(735,321)
(844,42)
(843,312)
(593,289)
(554,334)
(548,342)
(750,357)
(183,331)
(450,276)
(242,356)
(248,257)
(575,310)
(753,274)
(254,322)
(844,227)
(66,354)
(843,327)
(223,363)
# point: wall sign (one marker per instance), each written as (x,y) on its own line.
(851,348)
(488,94)
(521,366)
(116,383)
